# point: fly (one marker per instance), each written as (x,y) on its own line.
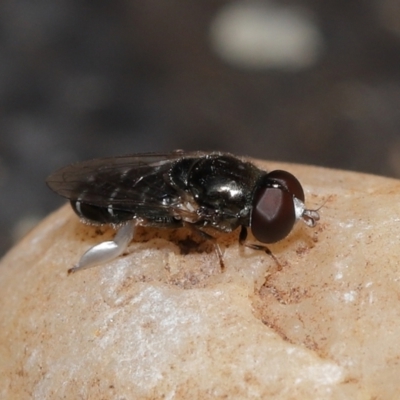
(199,190)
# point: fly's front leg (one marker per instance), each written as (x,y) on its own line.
(109,250)
(254,246)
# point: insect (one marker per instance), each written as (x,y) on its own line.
(199,190)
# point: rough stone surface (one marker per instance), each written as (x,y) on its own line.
(163,322)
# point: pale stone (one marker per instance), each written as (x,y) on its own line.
(159,323)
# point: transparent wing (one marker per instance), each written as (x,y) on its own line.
(126,182)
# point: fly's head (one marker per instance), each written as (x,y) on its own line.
(278,203)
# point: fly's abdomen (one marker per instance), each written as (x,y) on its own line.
(100,215)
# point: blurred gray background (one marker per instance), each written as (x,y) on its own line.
(305,81)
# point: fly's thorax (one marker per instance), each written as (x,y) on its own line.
(222,182)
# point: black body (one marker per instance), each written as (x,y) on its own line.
(169,190)
(162,190)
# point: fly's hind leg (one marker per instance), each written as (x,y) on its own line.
(109,250)
(255,246)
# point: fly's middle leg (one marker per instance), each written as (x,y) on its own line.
(212,239)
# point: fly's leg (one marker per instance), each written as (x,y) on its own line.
(109,250)
(254,246)
(212,239)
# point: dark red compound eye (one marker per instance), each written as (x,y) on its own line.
(288,181)
(273,215)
